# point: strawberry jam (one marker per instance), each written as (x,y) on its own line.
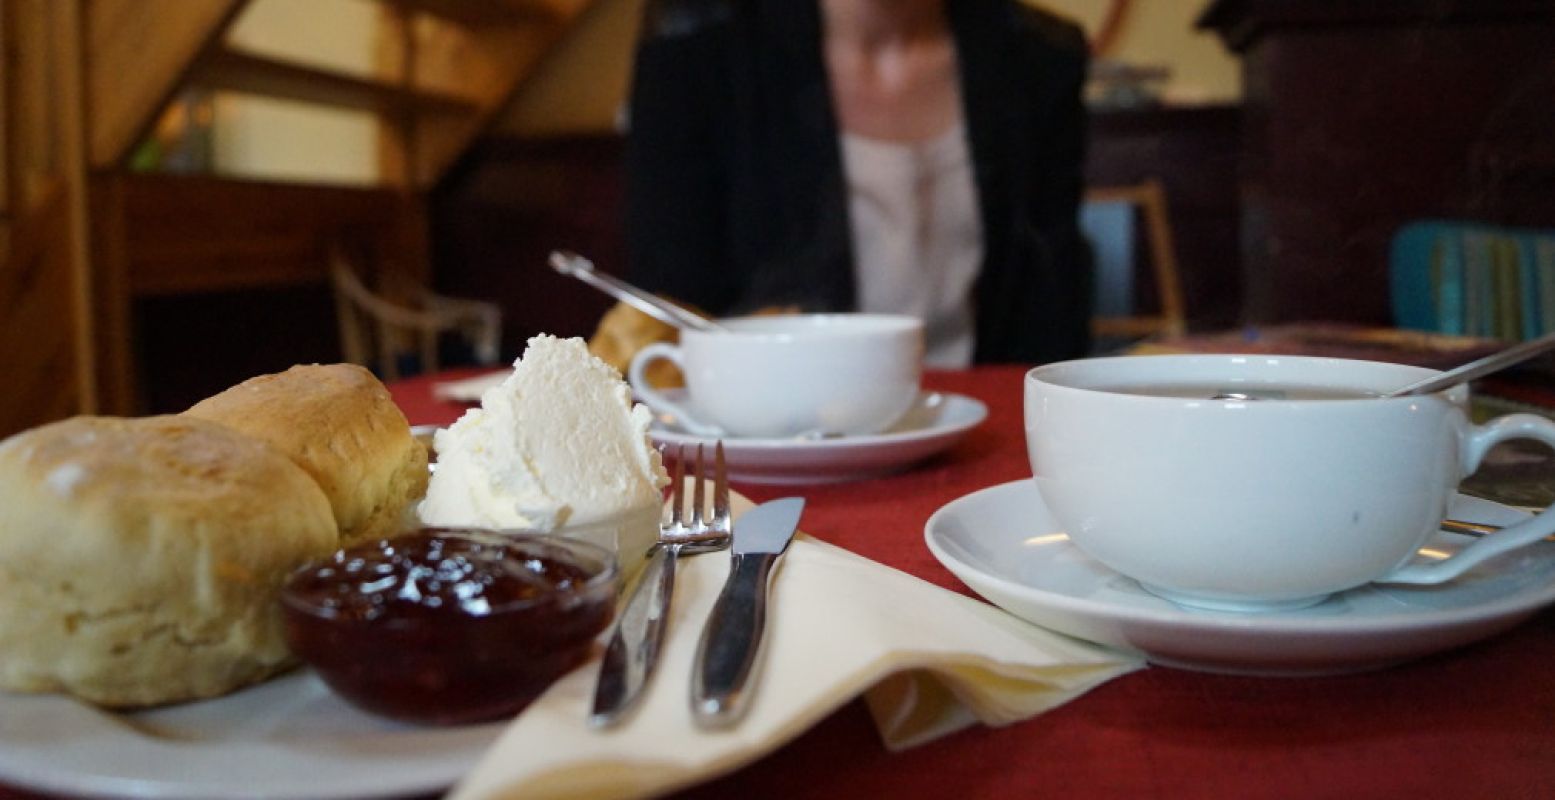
(449,626)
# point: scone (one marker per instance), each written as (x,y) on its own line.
(338,423)
(140,559)
(624,330)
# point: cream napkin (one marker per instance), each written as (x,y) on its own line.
(929,662)
(468,390)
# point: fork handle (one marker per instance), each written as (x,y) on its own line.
(726,653)
(634,646)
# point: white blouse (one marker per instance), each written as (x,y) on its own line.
(917,236)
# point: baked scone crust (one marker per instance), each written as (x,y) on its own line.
(140,558)
(339,424)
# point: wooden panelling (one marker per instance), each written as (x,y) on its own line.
(1193,153)
(31,77)
(509,204)
(38,358)
(482,13)
(187,234)
(1361,117)
(43,289)
(7,57)
(169,241)
(113,341)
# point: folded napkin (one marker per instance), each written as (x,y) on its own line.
(928,661)
(468,390)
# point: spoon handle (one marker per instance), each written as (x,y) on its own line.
(1475,528)
(1479,368)
(569,263)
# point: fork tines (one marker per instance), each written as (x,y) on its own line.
(697,524)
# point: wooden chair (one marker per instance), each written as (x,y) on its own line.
(376,331)
(1146,204)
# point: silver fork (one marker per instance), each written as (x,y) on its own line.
(634,646)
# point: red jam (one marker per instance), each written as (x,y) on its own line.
(449,626)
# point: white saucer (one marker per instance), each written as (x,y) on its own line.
(937,421)
(1003,543)
(286,738)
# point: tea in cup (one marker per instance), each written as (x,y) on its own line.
(1312,485)
(783,376)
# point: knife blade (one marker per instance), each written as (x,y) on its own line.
(731,639)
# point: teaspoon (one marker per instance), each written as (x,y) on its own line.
(678,316)
(1478,368)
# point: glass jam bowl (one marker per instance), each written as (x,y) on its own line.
(450,625)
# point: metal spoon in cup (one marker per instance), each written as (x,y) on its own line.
(574,265)
(1478,368)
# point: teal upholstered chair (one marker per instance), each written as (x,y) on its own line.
(1473,279)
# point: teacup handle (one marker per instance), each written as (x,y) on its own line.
(637,375)
(1480,440)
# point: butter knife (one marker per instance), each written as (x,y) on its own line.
(731,639)
(633,650)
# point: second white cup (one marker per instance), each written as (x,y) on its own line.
(1319,486)
(783,376)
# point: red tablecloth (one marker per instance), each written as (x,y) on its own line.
(1477,722)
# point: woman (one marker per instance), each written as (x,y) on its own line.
(912,156)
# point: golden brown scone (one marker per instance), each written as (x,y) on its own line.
(140,558)
(338,423)
(624,330)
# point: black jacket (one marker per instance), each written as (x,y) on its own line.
(736,196)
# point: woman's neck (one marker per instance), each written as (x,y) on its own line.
(892,67)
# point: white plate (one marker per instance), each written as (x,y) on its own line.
(1003,543)
(935,422)
(287,738)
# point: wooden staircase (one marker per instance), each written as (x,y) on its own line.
(82,238)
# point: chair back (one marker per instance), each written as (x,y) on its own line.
(1133,301)
(378,333)
(1473,279)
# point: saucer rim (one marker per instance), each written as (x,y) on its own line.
(1186,619)
(976,410)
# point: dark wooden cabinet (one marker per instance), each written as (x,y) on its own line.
(506,206)
(1359,117)
(1194,153)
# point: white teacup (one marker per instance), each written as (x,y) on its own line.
(1318,486)
(781,376)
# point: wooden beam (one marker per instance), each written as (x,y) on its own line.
(44,266)
(488,64)
(7,58)
(71,108)
(238,71)
(137,55)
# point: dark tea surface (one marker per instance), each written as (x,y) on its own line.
(1260,391)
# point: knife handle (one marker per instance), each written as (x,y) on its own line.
(633,650)
(726,653)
